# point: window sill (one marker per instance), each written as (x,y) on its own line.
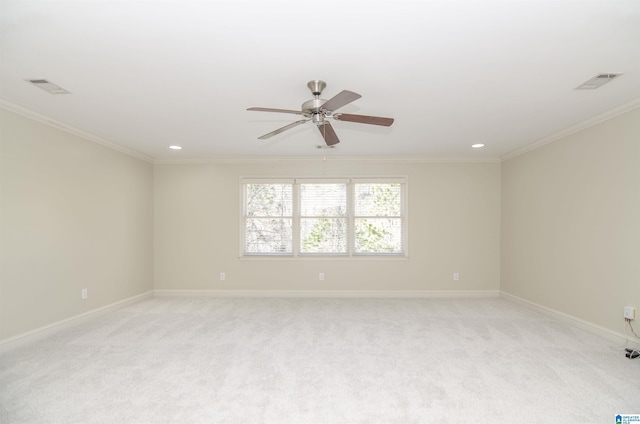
(324,258)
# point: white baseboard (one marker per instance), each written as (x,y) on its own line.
(47,330)
(331,293)
(605,333)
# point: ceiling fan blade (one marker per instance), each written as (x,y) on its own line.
(268,109)
(279,130)
(364,119)
(342,98)
(329,134)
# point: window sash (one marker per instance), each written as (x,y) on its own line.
(378,218)
(268,228)
(268,236)
(323,217)
(378,235)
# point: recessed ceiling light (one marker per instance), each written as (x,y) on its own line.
(477,145)
(175,147)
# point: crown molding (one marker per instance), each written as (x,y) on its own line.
(594,120)
(20,110)
(311,159)
(28,113)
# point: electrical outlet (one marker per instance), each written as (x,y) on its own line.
(456,276)
(630,312)
(84,294)
(321,276)
(222,276)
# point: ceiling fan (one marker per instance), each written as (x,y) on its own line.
(318,110)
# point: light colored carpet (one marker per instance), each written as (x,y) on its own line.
(221,360)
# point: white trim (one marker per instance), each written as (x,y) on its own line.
(267,180)
(332,293)
(322,180)
(364,178)
(612,113)
(42,332)
(48,330)
(307,159)
(28,113)
(20,110)
(605,333)
(325,257)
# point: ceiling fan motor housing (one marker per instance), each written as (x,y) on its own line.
(313,109)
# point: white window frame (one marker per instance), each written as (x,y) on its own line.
(350,186)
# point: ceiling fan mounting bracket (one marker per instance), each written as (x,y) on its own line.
(316,87)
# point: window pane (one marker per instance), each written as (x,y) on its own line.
(323,199)
(378,235)
(268,235)
(323,235)
(269,199)
(377,199)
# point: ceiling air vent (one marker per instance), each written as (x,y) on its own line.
(48,86)
(598,81)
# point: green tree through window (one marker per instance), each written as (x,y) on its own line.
(378,222)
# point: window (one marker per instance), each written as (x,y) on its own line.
(268,218)
(323,217)
(378,218)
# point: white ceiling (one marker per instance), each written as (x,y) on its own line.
(148,74)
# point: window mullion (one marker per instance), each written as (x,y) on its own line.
(243,224)
(403,218)
(295,198)
(351,228)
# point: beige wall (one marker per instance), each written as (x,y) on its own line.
(557,226)
(454,226)
(74,215)
(571,223)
